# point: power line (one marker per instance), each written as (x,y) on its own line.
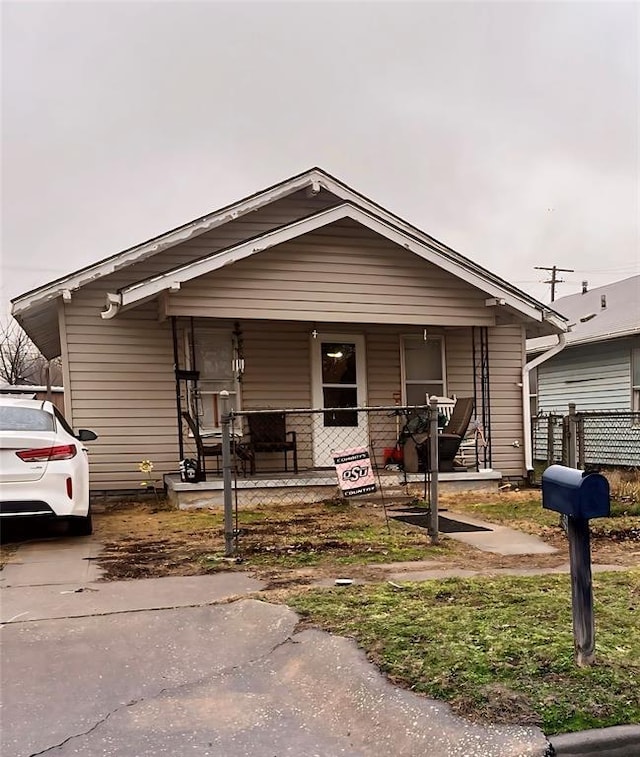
(554,276)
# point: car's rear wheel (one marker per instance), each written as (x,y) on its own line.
(81,526)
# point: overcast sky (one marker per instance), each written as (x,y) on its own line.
(507,130)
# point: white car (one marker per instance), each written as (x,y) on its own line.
(44,468)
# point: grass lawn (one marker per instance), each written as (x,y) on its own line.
(523,510)
(497,649)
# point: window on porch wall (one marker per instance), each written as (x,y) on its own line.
(213,355)
(423,368)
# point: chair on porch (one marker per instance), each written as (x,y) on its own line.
(417,447)
(204,450)
(450,439)
(268,433)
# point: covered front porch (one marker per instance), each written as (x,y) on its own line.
(299,391)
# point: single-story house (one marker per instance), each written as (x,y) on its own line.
(599,368)
(243,299)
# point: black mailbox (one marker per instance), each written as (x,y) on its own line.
(576,493)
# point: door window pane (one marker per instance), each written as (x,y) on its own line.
(338,363)
(340,397)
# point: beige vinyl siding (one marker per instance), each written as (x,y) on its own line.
(341,273)
(122,386)
(506,358)
(459,360)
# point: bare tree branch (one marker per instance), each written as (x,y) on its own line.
(20,360)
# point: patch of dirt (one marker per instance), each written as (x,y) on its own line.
(144,540)
(498,704)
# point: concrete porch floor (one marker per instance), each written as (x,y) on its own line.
(314,486)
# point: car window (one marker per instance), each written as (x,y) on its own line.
(14,418)
(63,421)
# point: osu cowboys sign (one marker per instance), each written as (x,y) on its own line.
(355,475)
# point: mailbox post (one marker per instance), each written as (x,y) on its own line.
(580,496)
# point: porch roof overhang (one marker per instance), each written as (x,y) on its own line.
(542,319)
(39,306)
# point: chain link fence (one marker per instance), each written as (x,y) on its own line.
(603,439)
(608,439)
(289,455)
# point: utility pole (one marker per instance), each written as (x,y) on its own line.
(554,277)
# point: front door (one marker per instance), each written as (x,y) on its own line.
(339,383)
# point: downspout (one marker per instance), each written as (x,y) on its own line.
(527,368)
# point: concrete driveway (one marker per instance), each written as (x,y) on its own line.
(188,666)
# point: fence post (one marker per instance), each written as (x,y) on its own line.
(572,448)
(551,453)
(227,466)
(433,457)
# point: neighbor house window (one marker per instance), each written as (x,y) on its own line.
(635,379)
(212,354)
(423,372)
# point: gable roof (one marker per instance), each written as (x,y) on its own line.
(590,322)
(172,279)
(36,306)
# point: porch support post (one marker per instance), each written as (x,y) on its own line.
(226,473)
(433,457)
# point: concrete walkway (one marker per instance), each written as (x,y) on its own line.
(171,666)
(497,539)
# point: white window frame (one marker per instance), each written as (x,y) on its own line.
(194,400)
(403,372)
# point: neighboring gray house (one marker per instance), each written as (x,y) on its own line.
(598,370)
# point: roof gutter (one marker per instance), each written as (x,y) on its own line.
(114,303)
(526,370)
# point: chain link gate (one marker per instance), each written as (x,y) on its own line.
(287,456)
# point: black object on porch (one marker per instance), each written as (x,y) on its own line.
(268,433)
(204,450)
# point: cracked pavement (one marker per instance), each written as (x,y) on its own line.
(106,672)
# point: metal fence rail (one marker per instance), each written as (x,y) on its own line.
(608,439)
(603,439)
(289,454)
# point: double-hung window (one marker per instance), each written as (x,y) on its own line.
(211,352)
(423,368)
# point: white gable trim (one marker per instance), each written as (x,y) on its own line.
(173,279)
(65,286)
(315,179)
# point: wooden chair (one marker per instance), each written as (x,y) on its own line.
(268,433)
(204,450)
